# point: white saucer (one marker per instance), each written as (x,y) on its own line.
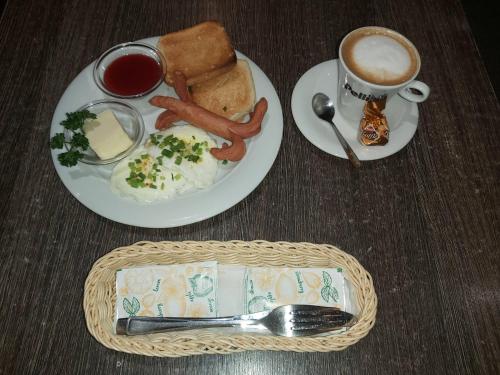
(401,114)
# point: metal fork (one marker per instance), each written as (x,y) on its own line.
(287,320)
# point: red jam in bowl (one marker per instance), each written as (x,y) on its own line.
(131,75)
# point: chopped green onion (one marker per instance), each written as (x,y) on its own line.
(167,153)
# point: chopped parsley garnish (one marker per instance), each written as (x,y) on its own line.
(78,142)
(57,141)
(70,158)
(74,120)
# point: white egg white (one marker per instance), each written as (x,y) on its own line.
(150,174)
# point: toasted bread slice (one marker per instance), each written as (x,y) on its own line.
(231,94)
(200,52)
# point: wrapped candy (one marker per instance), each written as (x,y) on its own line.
(374,130)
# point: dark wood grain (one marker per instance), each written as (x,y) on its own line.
(424,222)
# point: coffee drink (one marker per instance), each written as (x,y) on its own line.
(380,56)
(375,64)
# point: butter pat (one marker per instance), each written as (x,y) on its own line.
(268,288)
(106,136)
(180,290)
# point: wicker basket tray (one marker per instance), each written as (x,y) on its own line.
(99,296)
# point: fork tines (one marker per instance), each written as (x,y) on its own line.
(324,318)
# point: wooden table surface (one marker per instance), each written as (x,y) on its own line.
(424,222)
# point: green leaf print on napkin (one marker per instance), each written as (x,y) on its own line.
(131,308)
(258,304)
(202,285)
(327,279)
(328,290)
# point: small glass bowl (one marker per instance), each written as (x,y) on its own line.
(130,120)
(124,49)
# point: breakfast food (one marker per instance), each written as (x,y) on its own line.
(77,142)
(106,136)
(199,52)
(167,118)
(171,162)
(213,89)
(380,56)
(216,124)
(132,75)
(231,95)
(212,122)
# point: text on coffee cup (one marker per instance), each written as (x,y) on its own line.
(362,96)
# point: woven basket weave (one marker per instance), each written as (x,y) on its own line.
(99,296)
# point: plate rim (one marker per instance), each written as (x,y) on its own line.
(273,144)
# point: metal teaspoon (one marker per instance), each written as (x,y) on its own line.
(323,108)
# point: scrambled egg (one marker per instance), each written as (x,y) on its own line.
(171,162)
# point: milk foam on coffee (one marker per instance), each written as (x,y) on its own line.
(379,58)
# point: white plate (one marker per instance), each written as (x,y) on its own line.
(402,117)
(90,184)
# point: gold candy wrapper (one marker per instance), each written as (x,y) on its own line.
(374,130)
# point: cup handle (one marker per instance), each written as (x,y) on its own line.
(406,92)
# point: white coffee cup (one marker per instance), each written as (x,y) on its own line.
(373,65)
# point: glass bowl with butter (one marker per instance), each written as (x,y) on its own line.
(116,131)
